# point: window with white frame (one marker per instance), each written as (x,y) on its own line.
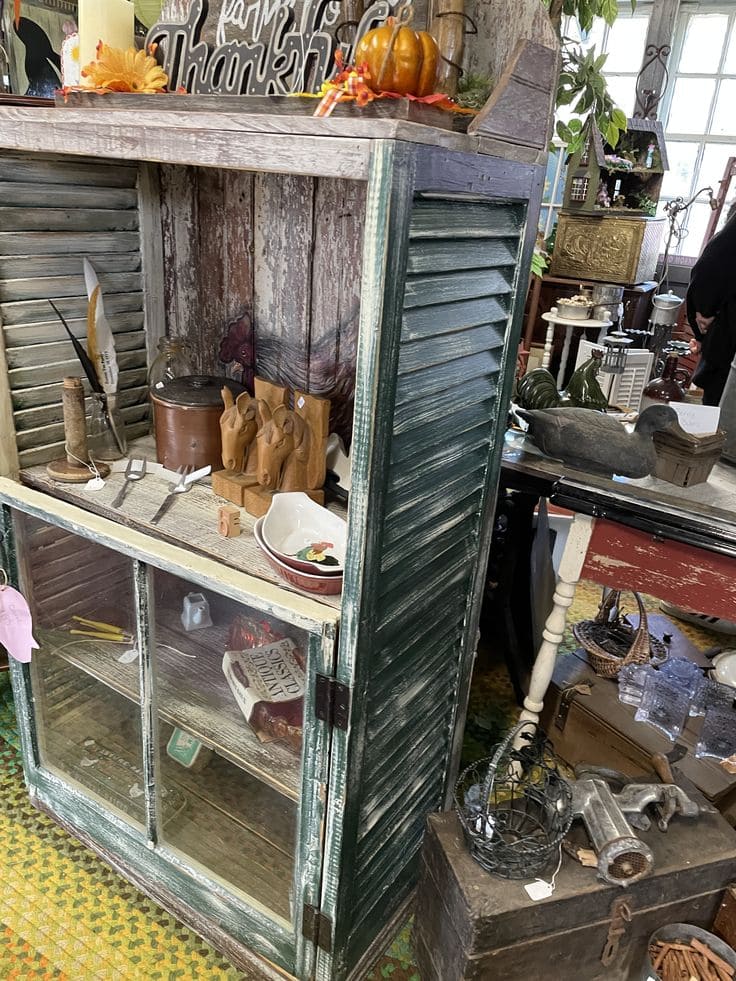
(624,42)
(698,114)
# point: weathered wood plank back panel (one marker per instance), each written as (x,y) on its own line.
(53,213)
(501,25)
(283,243)
(262,276)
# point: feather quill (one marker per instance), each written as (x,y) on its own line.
(100,340)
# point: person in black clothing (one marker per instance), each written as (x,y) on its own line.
(711,311)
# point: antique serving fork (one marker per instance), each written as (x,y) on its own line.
(135,470)
(180,486)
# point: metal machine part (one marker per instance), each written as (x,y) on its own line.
(608,817)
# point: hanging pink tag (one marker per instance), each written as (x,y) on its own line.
(15,625)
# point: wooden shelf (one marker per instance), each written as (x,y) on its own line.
(192,694)
(236,828)
(293,144)
(192,520)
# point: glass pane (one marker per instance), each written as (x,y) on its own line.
(626,42)
(729,66)
(87,702)
(697,222)
(571,29)
(679,178)
(230,687)
(724,123)
(691,102)
(622,89)
(715,160)
(701,52)
(554,181)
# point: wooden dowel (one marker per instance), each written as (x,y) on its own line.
(448,29)
(75,424)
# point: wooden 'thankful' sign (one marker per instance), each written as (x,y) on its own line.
(262,49)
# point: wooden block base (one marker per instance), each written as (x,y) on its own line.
(232,486)
(257,500)
(74,473)
(228,521)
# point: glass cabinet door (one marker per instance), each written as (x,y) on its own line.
(85,673)
(179,708)
(229,695)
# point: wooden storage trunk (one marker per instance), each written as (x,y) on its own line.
(597,728)
(474,926)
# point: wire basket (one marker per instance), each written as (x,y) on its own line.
(610,640)
(515,807)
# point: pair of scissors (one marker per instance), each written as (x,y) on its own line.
(102,631)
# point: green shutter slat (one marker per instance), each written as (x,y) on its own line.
(422,291)
(434,380)
(449,347)
(435,321)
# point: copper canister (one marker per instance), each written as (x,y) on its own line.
(186,421)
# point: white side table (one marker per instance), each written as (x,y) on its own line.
(553,319)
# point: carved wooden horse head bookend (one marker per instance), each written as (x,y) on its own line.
(238,424)
(283,448)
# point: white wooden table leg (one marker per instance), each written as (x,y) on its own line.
(571,566)
(565,355)
(548,339)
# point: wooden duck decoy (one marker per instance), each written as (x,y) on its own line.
(596,443)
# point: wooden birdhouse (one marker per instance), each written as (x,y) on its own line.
(627,179)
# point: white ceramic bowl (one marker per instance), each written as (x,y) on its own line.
(294,525)
(324,585)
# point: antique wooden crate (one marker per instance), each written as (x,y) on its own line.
(586,722)
(474,926)
(610,248)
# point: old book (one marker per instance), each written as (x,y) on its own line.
(268,685)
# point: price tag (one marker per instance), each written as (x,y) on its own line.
(539,889)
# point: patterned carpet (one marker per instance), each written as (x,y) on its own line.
(65,915)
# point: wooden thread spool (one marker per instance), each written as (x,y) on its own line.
(75,466)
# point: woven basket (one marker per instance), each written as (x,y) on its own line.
(611,642)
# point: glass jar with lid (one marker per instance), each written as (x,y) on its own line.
(174,360)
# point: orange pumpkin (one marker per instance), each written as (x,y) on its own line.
(399,59)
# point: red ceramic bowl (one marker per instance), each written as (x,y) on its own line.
(324,585)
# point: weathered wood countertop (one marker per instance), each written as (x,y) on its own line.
(191,522)
(297,144)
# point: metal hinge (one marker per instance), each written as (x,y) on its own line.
(317,927)
(332,702)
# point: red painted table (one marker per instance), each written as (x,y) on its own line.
(675,543)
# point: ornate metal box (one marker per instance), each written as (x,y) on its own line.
(607,247)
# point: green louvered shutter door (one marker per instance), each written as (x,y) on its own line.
(410,644)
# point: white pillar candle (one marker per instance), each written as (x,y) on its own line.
(110,21)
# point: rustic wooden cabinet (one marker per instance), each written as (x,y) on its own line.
(381,263)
